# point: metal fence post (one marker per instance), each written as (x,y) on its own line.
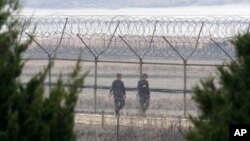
(95,75)
(102,118)
(96,55)
(117,128)
(95,85)
(50,53)
(179,122)
(148,130)
(139,57)
(185,88)
(141,66)
(49,57)
(184,74)
(47,53)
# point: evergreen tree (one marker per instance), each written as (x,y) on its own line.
(225,102)
(25,113)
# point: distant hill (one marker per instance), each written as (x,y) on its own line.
(113,4)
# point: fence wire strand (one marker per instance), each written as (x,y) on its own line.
(175,52)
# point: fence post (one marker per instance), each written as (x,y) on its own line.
(185,88)
(184,71)
(139,57)
(117,128)
(102,118)
(179,121)
(140,66)
(49,57)
(95,85)
(96,61)
(50,53)
(147,130)
(47,53)
(185,67)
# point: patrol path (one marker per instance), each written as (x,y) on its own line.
(137,121)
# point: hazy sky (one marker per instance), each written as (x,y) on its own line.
(125,3)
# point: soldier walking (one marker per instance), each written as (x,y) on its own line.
(143,93)
(118,91)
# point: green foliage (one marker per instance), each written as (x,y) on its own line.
(225,102)
(26,114)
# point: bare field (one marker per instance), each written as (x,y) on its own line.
(160,76)
(162,104)
(131,128)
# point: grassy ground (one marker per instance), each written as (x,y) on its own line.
(160,76)
(162,104)
(94,127)
(90,132)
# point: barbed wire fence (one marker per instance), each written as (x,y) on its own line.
(175,52)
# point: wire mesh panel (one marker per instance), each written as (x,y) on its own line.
(85,103)
(31,68)
(107,74)
(129,128)
(165,77)
(194,75)
(175,52)
(166,84)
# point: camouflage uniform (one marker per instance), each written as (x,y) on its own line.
(144,94)
(118,91)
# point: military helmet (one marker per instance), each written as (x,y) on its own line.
(118,75)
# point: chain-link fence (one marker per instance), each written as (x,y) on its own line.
(175,53)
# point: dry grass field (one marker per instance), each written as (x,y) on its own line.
(131,128)
(168,104)
(164,119)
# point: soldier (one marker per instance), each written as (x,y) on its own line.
(118,90)
(143,93)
